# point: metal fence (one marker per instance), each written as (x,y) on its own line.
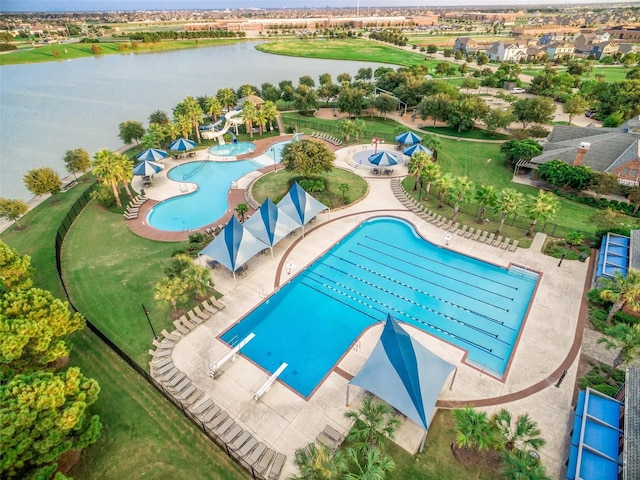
(312,125)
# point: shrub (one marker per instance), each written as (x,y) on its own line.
(4,47)
(606,389)
(622,317)
(575,238)
(312,184)
(598,319)
(198,237)
(619,376)
(104,195)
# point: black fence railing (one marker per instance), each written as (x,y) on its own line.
(311,125)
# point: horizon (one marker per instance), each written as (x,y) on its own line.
(59,6)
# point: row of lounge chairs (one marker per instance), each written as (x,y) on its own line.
(449,225)
(132,210)
(381,171)
(327,138)
(262,462)
(330,438)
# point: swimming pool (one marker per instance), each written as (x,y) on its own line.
(209,201)
(383,267)
(232,149)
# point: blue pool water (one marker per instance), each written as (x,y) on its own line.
(383,267)
(232,149)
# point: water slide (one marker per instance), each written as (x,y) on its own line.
(230,118)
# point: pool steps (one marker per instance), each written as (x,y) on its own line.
(448,224)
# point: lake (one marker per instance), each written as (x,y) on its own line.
(49,108)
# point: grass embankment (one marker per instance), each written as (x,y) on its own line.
(47,53)
(351,49)
(611,74)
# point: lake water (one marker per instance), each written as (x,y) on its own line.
(49,108)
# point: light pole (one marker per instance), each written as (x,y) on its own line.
(273,152)
(146,313)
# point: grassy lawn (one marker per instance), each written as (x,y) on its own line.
(46,53)
(611,74)
(110,272)
(437,462)
(475,133)
(143,435)
(353,49)
(276,185)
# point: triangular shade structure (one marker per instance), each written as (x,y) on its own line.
(153,154)
(404,373)
(415,148)
(383,159)
(408,138)
(300,206)
(270,224)
(234,246)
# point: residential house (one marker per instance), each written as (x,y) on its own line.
(626,32)
(610,150)
(557,50)
(536,53)
(584,40)
(465,45)
(547,38)
(510,52)
(603,49)
(625,48)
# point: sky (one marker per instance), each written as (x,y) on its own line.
(7,6)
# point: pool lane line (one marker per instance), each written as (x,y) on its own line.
(434,261)
(427,270)
(390,307)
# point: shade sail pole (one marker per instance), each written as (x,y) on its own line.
(453,379)
(235,282)
(424,439)
(347,404)
(271,248)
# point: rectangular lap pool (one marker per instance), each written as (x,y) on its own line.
(382,267)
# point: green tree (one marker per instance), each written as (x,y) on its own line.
(365,74)
(370,465)
(171,290)
(442,68)
(316,462)
(213,107)
(325,79)
(542,207)
(560,174)
(487,197)
(509,202)
(417,163)
(575,105)
(40,181)
(460,191)
(621,290)
(385,103)
(469,83)
(34,325)
(430,174)
(523,434)
(190,108)
(344,79)
(497,118)
(43,415)
(351,101)
(464,112)
(533,110)
(346,128)
(154,136)
(15,269)
(432,48)
(305,98)
(130,131)
(443,182)
(111,169)
(307,158)
(159,117)
(328,91)
(246,90)
(626,339)
(432,143)
(603,184)
(270,111)
(241,210)
(436,107)
(634,198)
(373,425)
(519,465)
(516,150)
(13,209)
(472,429)
(227,97)
(269,92)
(307,80)
(359,127)
(77,160)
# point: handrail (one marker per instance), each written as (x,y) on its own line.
(270,381)
(229,355)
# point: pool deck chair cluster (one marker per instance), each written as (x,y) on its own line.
(472,233)
(330,438)
(238,442)
(133,209)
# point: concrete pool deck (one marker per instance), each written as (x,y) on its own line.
(286,422)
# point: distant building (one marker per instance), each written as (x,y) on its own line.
(507,52)
(603,49)
(557,50)
(547,38)
(465,45)
(626,32)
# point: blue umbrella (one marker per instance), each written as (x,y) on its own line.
(408,138)
(152,154)
(182,145)
(147,167)
(413,149)
(383,159)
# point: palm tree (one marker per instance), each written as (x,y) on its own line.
(111,168)
(487,197)
(183,125)
(460,191)
(432,143)
(241,210)
(373,424)
(198,279)
(519,465)
(430,173)
(509,201)
(346,128)
(171,290)
(472,429)
(626,338)
(249,115)
(318,463)
(417,164)
(171,131)
(270,111)
(523,435)
(213,107)
(372,465)
(543,207)
(443,182)
(190,108)
(621,290)
(154,136)
(358,127)
(227,97)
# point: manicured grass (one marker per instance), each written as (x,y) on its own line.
(110,272)
(611,74)
(46,53)
(143,435)
(475,133)
(276,185)
(37,236)
(437,462)
(352,49)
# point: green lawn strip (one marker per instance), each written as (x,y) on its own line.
(46,53)
(611,74)
(276,185)
(353,49)
(110,272)
(437,462)
(474,133)
(37,239)
(143,435)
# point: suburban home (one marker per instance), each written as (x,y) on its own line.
(465,45)
(512,52)
(547,38)
(536,53)
(611,150)
(603,49)
(557,50)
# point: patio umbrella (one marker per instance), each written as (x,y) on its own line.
(383,159)
(408,138)
(147,167)
(152,154)
(415,148)
(182,145)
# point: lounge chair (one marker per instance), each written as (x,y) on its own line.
(490,238)
(201,314)
(276,467)
(245,449)
(454,227)
(325,440)
(513,246)
(436,219)
(231,434)
(239,441)
(217,420)
(506,243)
(256,454)
(180,327)
(212,310)
(175,381)
(469,234)
(211,414)
(497,241)
(224,427)
(203,406)
(187,323)
(462,230)
(193,318)
(193,398)
(264,462)
(483,237)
